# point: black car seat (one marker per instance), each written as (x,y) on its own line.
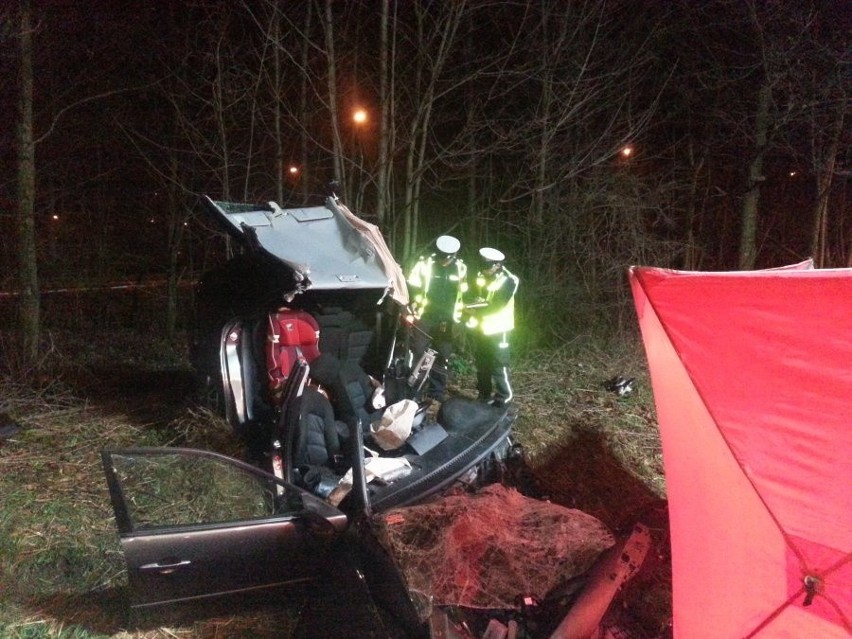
(359,392)
(320,452)
(349,386)
(343,335)
(320,439)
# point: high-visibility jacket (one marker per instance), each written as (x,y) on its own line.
(437,289)
(498,293)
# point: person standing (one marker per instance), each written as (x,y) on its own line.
(492,317)
(438,283)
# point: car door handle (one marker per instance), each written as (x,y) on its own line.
(167,567)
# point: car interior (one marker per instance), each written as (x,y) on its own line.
(340,359)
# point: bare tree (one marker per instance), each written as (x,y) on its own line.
(748,227)
(823,87)
(436,36)
(28,288)
(277,88)
(562,106)
(782,38)
(825,150)
(751,77)
(208,95)
(56,108)
(385,93)
(334,113)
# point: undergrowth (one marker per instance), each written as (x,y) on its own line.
(62,573)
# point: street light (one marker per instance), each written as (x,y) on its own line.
(294,176)
(355,182)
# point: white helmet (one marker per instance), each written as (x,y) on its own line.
(491,254)
(448,244)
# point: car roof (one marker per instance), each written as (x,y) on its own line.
(328,245)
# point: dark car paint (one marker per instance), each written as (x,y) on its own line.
(310,539)
(180,561)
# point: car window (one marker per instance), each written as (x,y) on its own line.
(166,489)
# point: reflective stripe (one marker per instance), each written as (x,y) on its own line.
(421,278)
(503,319)
(505,374)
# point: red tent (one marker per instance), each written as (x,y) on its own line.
(752,379)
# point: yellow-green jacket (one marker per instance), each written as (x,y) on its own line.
(498,293)
(438,290)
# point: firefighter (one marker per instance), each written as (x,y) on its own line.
(438,283)
(491,316)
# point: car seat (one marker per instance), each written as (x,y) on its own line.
(343,335)
(291,334)
(349,386)
(320,444)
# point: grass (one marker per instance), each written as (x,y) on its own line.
(61,569)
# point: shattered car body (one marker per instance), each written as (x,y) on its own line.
(306,317)
(299,343)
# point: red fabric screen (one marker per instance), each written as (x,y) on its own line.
(752,379)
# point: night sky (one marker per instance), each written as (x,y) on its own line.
(142,107)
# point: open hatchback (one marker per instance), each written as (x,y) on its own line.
(299,342)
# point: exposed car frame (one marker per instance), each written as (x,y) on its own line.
(324,268)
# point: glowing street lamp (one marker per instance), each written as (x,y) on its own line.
(293,171)
(627,151)
(353,170)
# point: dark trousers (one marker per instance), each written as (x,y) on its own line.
(438,335)
(492,356)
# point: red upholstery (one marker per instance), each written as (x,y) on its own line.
(291,334)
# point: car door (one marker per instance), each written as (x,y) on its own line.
(196,524)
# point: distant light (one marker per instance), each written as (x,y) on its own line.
(793,173)
(152,220)
(293,170)
(627,151)
(54,216)
(359,116)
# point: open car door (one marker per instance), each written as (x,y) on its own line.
(196,524)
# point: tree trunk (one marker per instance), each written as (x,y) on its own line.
(337,143)
(219,107)
(428,71)
(29,306)
(748,231)
(692,257)
(305,169)
(544,116)
(384,98)
(824,175)
(276,83)
(176,218)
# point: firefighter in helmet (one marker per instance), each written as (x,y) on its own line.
(438,283)
(491,316)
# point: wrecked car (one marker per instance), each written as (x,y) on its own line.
(300,344)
